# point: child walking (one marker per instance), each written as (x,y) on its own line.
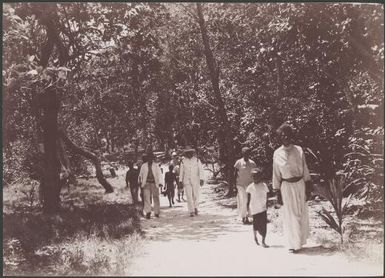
(170,181)
(257,204)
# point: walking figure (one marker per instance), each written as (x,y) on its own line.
(170,181)
(257,205)
(243,177)
(132,181)
(149,178)
(191,177)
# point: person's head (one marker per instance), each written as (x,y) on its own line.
(130,164)
(174,156)
(285,134)
(257,175)
(189,152)
(144,158)
(170,168)
(150,157)
(246,153)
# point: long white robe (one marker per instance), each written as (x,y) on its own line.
(289,162)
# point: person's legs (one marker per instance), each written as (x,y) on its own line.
(255,228)
(147,199)
(134,194)
(262,227)
(196,193)
(169,196)
(155,197)
(242,203)
(189,194)
(179,192)
(172,195)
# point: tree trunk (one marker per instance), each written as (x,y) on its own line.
(95,160)
(50,186)
(226,140)
(66,174)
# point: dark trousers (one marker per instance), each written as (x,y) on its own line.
(260,223)
(134,193)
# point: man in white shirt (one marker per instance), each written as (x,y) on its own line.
(191,178)
(242,172)
(149,179)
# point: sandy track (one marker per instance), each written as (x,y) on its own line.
(216,243)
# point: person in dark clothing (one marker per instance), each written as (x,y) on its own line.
(132,181)
(170,181)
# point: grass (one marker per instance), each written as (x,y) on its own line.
(94,234)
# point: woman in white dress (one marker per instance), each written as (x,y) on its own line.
(290,173)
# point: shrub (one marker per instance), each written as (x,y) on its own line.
(364,163)
(333,191)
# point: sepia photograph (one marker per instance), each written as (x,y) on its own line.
(193,139)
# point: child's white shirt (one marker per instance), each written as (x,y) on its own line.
(258,197)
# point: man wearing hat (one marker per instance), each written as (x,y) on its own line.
(191,177)
(243,177)
(149,179)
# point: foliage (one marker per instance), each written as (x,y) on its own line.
(334,191)
(35,244)
(365,163)
(136,74)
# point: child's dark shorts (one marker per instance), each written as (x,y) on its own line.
(260,222)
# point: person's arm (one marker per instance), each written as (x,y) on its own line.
(181,172)
(140,176)
(306,173)
(248,200)
(127,179)
(159,173)
(201,173)
(307,178)
(236,171)
(277,179)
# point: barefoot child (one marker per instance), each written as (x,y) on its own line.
(170,181)
(256,204)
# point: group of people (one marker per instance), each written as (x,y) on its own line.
(290,178)
(186,175)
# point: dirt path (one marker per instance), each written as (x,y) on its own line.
(215,243)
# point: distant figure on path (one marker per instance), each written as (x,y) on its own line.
(170,181)
(191,176)
(290,172)
(257,204)
(132,181)
(176,163)
(149,178)
(242,172)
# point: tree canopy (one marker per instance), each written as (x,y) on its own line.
(138,73)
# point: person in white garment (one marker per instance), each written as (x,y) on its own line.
(290,173)
(191,177)
(257,205)
(149,180)
(242,172)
